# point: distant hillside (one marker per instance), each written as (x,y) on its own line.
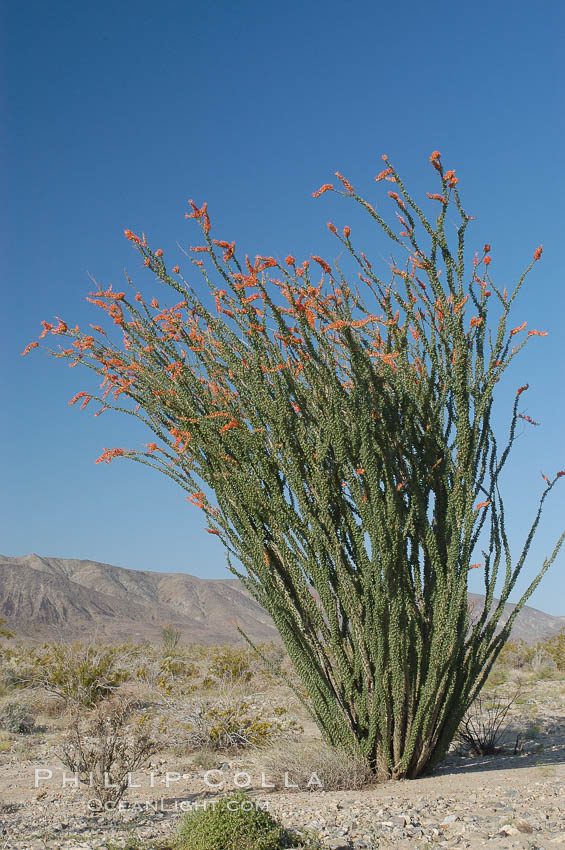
(45,598)
(56,597)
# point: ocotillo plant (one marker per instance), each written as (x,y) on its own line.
(346,433)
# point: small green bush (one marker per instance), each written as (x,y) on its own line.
(175,672)
(232,663)
(16,717)
(546,672)
(3,630)
(170,638)
(78,674)
(545,654)
(233,823)
(554,647)
(514,655)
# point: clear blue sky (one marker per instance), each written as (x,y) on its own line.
(115,114)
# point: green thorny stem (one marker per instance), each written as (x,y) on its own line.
(347,450)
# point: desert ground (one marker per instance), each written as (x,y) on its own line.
(220,721)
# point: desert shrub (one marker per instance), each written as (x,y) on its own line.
(12,659)
(554,649)
(484,724)
(206,758)
(345,429)
(233,823)
(4,686)
(547,671)
(4,631)
(50,705)
(197,651)
(170,639)
(514,655)
(166,668)
(106,744)
(541,658)
(231,663)
(174,672)
(304,763)
(235,724)
(9,681)
(77,673)
(17,717)
(146,666)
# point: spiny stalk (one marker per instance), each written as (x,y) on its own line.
(346,435)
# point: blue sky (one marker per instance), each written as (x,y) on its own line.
(115,114)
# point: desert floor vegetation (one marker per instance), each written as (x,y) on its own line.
(205,721)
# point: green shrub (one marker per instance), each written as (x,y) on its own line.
(79,674)
(554,647)
(3,630)
(11,663)
(546,672)
(170,638)
(232,663)
(233,823)
(354,464)
(16,717)
(175,671)
(514,655)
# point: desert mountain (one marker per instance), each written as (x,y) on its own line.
(56,597)
(46,598)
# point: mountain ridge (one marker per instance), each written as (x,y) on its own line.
(44,598)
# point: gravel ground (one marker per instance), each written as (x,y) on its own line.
(507,801)
(514,807)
